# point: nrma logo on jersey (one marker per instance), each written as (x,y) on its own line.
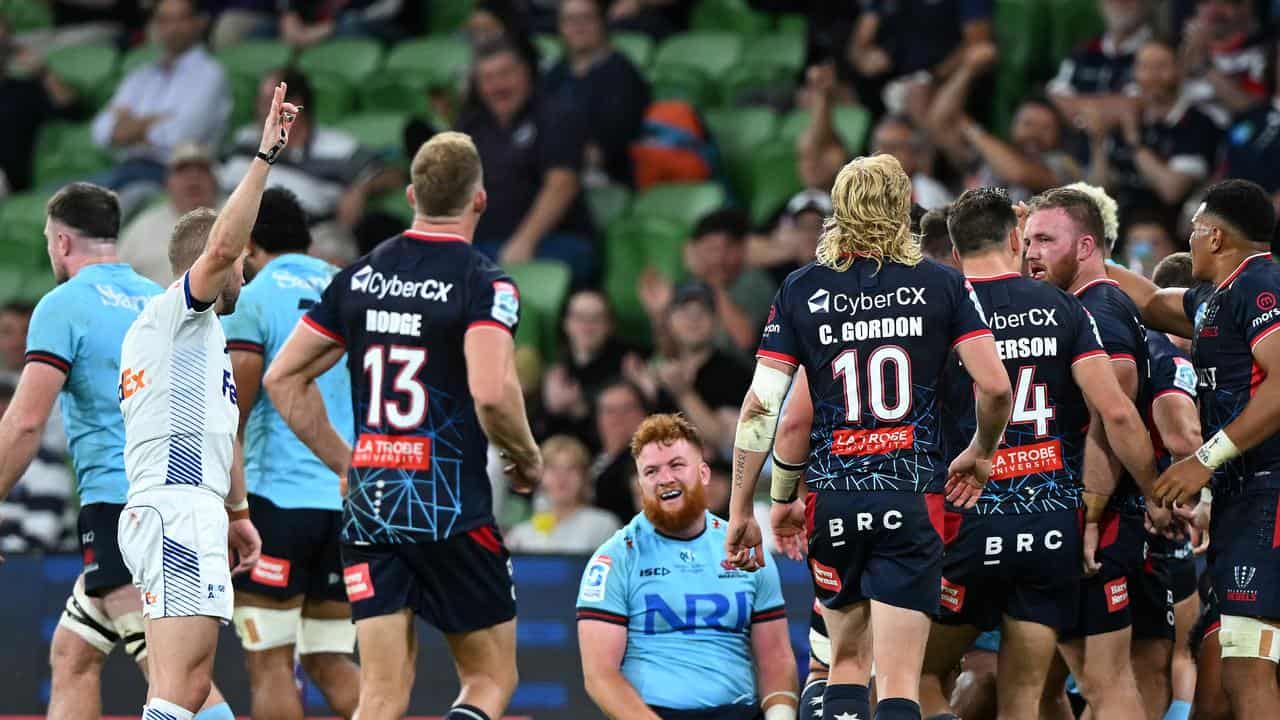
(701,611)
(368,280)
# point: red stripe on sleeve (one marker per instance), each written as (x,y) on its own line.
(50,359)
(984,332)
(770,614)
(306,319)
(602,616)
(1089,354)
(1264,335)
(780,357)
(489,323)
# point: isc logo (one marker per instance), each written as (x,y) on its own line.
(701,610)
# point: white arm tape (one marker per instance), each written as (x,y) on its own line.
(1217,450)
(782,710)
(1206,495)
(783,480)
(770,388)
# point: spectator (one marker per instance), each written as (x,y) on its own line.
(620,408)
(155,109)
(33,519)
(1253,146)
(1163,146)
(1147,238)
(593,357)
(716,256)
(304,23)
(896,135)
(1101,70)
(492,21)
(1225,54)
(86,22)
(696,378)
(30,95)
(332,174)
(608,89)
(562,521)
(819,152)
(658,18)
(237,20)
(532,148)
(935,237)
(794,242)
(190,184)
(900,49)
(15,318)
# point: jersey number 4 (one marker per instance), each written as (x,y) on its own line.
(408,410)
(1031,401)
(884,365)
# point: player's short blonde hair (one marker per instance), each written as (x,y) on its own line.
(189,237)
(665,429)
(1107,208)
(445,173)
(871,215)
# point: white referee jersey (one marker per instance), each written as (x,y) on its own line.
(178,396)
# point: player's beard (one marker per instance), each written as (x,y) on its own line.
(673,522)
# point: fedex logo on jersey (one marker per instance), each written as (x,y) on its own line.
(873,442)
(370,281)
(824,301)
(713,611)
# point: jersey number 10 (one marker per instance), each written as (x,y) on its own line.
(399,415)
(879,374)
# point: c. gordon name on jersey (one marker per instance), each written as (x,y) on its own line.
(877,329)
(368,280)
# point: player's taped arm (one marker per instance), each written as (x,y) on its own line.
(992,390)
(23,423)
(1124,435)
(775,669)
(791,445)
(1161,308)
(1260,417)
(290,383)
(602,646)
(757,424)
(499,400)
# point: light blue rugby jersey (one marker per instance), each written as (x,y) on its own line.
(278,466)
(687,618)
(78,327)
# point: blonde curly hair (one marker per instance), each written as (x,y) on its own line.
(1107,208)
(871,216)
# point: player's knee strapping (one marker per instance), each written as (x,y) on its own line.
(820,647)
(266,628)
(158,709)
(133,634)
(326,636)
(1246,637)
(82,617)
(846,700)
(465,712)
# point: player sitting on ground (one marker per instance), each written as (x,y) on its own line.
(664,630)
(429,324)
(872,324)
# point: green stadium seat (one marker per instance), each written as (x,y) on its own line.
(1072,22)
(776,49)
(335,96)
(638,47)
(436,61)
(683,203)
(751,84)
(36,284)
(352,60)
(793,24)
(22,242)
(544,286)
(608,203)
(529,334)
(25,15)
(737,130)
(252,59)
(386,92)
(733,15)
(381,131)
(90,69)
(632,244)
(65,151)
(1021,32)
(682,82)
(445,16)
(773,180)
(712,52)
(138,57)
(549,50)
(11,279)
(852,123)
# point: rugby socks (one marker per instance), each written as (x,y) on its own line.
(898,709)
(843,701)
(221,711)
(465,712)
(1178,710)
(159,709)
(810,707)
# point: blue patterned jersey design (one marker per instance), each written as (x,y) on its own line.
(78,328)
(1125,339)
(874,343)
(688,619)
(1041,332)
(1230,321)
(418,464)
(277,465)
(1172,374)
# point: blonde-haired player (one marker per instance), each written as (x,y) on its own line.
(872,323)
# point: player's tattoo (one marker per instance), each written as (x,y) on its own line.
(739,466)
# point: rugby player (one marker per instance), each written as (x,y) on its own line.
(179,406)
(1012,561)
(73,353)
(871,322)
(1232,321)
(1065,243)
(664,630)
(428,323)
(294,597)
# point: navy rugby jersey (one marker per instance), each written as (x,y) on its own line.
(1040,333)
(418,464)
(1171,374)
(874,343)
(1230,321)
(1124,338)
